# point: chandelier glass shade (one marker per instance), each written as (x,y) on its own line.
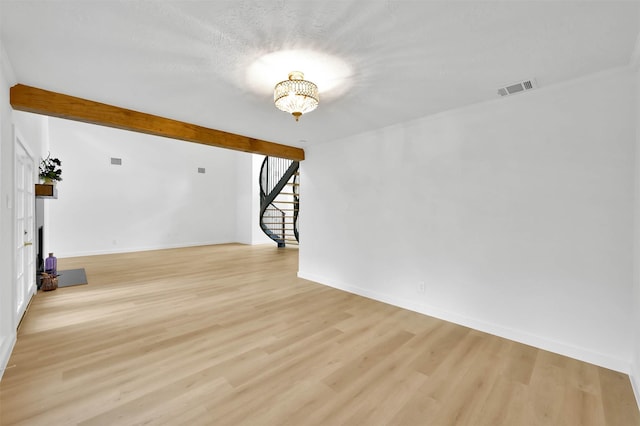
(296,95)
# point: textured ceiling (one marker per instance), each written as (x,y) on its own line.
(190,60)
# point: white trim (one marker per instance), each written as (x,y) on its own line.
(142,248)
(634,377)
(6,347)
(579,353)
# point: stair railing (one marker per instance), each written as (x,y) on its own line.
(296,200)
(275,174)
(274,221)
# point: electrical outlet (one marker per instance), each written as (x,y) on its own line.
(422,288)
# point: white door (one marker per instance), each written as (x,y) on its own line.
(24,223)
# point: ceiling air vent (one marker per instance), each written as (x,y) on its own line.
(521,86)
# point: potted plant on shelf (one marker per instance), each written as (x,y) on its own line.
(50,170)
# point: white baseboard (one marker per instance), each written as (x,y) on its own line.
(634,376)
(579,353)
(6,347)
(141,248)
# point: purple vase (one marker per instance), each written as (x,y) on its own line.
(51,265)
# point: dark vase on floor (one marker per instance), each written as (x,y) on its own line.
(49,282)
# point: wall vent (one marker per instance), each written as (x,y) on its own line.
(201,170)
(521,86)
(116,161)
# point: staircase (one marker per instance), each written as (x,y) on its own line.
(280,200)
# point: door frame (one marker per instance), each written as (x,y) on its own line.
(19,143)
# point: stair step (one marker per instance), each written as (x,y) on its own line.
(286,202)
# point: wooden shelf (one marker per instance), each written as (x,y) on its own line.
(46,191)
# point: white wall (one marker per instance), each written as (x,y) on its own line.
(244,176)
(31,129)
(248,199)
(7,297)
(516,214)
(155,199)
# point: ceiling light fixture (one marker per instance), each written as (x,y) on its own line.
(296,95)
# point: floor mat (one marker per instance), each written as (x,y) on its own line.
(72,277)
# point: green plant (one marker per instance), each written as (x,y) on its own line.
(50,169)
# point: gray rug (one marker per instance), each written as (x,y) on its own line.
(72,277)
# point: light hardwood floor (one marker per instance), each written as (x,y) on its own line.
(227,335)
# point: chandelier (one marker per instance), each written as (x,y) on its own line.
(296,96)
